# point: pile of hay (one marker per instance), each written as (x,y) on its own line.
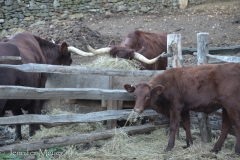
(139,147)
(151,146)
(105,61)
(69,129)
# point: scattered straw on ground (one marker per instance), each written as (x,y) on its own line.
(69,129)
(151,147)
(140,147)
(105,61)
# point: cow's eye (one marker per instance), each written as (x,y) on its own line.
(147,97)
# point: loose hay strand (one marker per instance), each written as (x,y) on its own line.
(69,129)
(139,147)
(105,61)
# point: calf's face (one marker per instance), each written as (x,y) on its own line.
(145,95)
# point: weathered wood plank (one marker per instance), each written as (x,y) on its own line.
(233,59)
(10,58)
(76,139)
(174,46)
(44,68)
(215,50)
(203,50)
(20,92)
(62,119)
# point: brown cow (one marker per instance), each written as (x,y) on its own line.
(31,49)
(137,43)
(205,88)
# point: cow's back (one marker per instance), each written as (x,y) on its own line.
(154,43)
(11,76)
(29,48)
(202,88)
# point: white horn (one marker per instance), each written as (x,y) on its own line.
(144,59)
(97,51)
(77,51)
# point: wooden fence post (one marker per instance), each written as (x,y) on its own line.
(174,46)
(111,105)
(202,48)
(203,119)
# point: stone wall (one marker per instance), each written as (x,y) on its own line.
(20,13)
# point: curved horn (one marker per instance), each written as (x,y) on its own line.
(98,51)
(144,59)
(77,51)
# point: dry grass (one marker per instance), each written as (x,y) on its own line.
(140,147)
(63,130)
(105,61)
(151,147)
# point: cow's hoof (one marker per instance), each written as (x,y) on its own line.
(185,147)
(17,137)
(215,150)
(167,149)
(237,152)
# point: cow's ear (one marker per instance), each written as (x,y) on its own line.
(141,50)
(129,88)
(112,43)
(64,47)
(130,55)
(158,89)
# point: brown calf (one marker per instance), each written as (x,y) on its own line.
(205,88)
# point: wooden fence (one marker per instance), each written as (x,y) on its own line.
(106,85)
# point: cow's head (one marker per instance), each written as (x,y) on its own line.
(121,52)
(145,95)
(64,56)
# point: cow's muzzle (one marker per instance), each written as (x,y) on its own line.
(138,110)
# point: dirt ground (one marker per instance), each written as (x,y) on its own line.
(220,19)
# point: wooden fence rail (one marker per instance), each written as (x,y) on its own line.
(20,92)
(215,50)
(62,119)
(45,68)
(76,139)
(9,58)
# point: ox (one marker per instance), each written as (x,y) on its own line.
(31,49)
(140,45)
(204,88)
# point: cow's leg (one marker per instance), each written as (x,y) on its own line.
(174,120)
(2,104)
(234,115)
(226,126)
(34,109)
(237,132)
(18,134)
(185,117)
